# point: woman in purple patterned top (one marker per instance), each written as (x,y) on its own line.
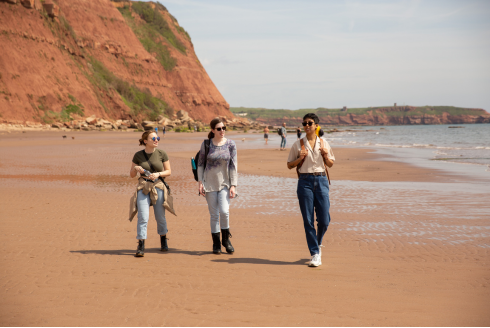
(217,182)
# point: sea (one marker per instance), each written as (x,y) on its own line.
(434,146)
(463,143)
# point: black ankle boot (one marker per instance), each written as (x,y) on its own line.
(226,241)
(163,242)
(216,243)
(140,251)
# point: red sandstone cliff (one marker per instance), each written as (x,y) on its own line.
(45,63)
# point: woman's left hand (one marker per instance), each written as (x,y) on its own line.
(324,151)
(154,176)
(232,192)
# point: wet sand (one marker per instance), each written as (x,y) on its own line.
(394,256)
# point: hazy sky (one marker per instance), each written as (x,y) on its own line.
(308,54)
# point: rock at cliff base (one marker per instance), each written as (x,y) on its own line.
(183,115)
(164,121)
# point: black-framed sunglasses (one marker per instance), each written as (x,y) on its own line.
(155,138)
(223,128)
(310,123)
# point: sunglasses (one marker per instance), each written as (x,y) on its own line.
(310,123)
(223,128)
(157,138)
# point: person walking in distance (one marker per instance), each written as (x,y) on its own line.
(298,132)
(284,135)
(311,155)
(152,164)
(217,178)
(266,134)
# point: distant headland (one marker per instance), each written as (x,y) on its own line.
(381,115)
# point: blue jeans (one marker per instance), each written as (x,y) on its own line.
(144,202)
(313,196)
(283,142)
(219,209)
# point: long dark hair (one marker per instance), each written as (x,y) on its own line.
(213,124)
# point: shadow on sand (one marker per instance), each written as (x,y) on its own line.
(131,252)
(251,260)
(230,260)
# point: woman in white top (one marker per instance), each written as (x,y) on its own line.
(311,154)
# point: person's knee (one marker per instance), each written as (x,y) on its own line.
(224,214)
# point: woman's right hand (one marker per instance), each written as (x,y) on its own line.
(139,169)
(303,154)
(201,189)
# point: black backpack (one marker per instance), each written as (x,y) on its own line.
(279,131)
(196,159)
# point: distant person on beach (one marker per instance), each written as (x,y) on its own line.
(266,134)
(298,132)
(310,155)
(217,178)
(284,135)
(153,165)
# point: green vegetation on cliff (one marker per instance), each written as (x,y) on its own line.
(274,114)
(140,101)
(155,34)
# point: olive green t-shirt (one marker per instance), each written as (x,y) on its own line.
(157,159)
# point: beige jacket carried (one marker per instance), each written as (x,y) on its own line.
(148,188)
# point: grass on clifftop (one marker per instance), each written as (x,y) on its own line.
(155,33)
(264,113)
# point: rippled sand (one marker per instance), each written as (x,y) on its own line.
(402,249)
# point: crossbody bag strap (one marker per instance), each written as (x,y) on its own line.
(153,169)
(148,160)
(324,161)
(301,163)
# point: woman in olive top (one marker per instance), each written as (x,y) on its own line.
(152,164)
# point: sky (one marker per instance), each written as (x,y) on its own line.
(309,54)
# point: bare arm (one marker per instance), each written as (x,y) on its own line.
(135,169)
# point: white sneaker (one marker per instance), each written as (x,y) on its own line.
(320,247)
(316,260)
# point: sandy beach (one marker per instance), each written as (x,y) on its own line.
(398,252)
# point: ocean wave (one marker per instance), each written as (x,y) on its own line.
(423,145)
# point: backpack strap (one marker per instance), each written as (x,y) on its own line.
(301,163)
(324,161)
(207,143)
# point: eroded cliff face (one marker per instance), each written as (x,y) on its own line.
(84,57)
(400,115)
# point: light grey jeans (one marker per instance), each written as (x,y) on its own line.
(219,209)
(144,214)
